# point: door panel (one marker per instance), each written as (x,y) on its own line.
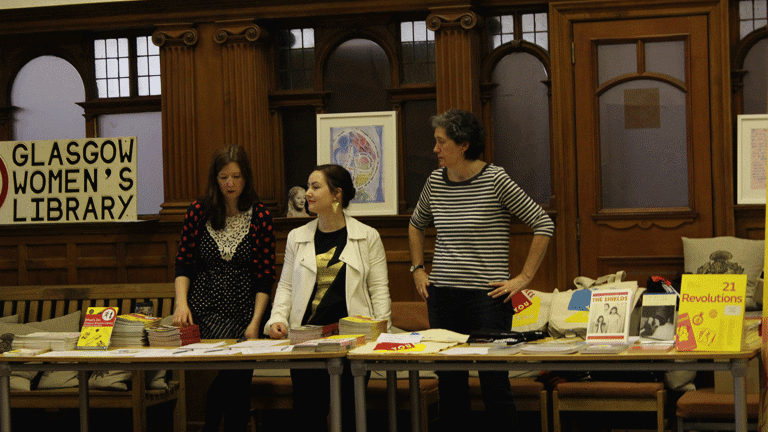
(642,143)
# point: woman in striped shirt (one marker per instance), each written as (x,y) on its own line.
(470,286)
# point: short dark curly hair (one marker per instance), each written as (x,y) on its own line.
(462,127)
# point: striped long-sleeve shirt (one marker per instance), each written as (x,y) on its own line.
(472,219)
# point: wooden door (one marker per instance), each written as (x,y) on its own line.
(642,135)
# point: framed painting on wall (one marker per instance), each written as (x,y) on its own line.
(752,137)
(366,145)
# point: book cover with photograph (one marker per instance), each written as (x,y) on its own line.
(658,316)
(609,312)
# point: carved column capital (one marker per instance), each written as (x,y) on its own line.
(175,35)
(454,17)
(239,30)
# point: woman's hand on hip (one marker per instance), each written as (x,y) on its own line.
(278,331)
(507,288)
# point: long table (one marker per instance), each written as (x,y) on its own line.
(332,361)
(735,362)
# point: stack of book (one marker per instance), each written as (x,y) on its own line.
(309,332)
(335,343)
(130,330)
(358,324)
(173,336)
(751,334)
(55,341)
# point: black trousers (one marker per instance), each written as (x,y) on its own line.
(229,398)
(462,311)
(312,399)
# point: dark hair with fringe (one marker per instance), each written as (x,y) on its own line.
(213,200)
(462,127)
(337,178)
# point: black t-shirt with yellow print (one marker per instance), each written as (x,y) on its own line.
(328,303)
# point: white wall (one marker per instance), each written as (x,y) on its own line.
(147,128)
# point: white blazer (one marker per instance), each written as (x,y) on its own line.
(367,281)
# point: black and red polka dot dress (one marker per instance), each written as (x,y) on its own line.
(227,268)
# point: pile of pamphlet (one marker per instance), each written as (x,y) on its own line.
(358,324)
(173,336)
(130,330)
(309,332)
(333,343)
(55,341)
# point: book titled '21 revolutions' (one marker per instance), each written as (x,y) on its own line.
(97,328)
(711,315)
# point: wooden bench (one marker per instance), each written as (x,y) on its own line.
(39,303)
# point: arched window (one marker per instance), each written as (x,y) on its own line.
(520,113)
(45,92)
(357,75)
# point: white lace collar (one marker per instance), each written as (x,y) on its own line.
(235,229)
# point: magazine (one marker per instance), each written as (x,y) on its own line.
(658,316)
(711,316)
(609,313)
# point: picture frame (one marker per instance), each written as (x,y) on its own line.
(366,144)
(752,140)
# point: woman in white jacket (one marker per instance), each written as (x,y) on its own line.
(334,266)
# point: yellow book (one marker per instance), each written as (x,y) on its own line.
(711,312)
(97,328)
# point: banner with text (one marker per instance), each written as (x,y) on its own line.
(62,181)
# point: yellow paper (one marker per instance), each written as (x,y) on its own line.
(711,313)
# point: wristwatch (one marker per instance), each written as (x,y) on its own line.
(415,267)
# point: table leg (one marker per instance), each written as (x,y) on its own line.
(413,382)
(5,398)
(739,372)
(392,400)
(335,367)
(358,372)
(82,377)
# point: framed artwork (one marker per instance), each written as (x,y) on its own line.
(366,145)
(752,137)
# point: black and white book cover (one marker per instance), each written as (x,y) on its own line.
(658,317)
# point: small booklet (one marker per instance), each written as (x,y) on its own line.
(609,313)
(608,348)
(554,347)
(658,317)
(97,328)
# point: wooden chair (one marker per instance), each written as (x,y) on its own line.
(530,395)
(703,409)
(609,396)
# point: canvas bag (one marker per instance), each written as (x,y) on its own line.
(569,313)
(531,310)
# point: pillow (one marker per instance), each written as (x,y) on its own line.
(57,379)
(410,316)
(109,380)
(66,323)
(20,383)
(155,380)
(531,310)
(726,255)
(10,319)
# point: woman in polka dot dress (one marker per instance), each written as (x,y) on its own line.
(225,269)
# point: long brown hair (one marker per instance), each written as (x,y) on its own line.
(213,200)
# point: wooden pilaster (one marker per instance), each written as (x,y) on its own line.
(457,57)
(245,82)
(177,67)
